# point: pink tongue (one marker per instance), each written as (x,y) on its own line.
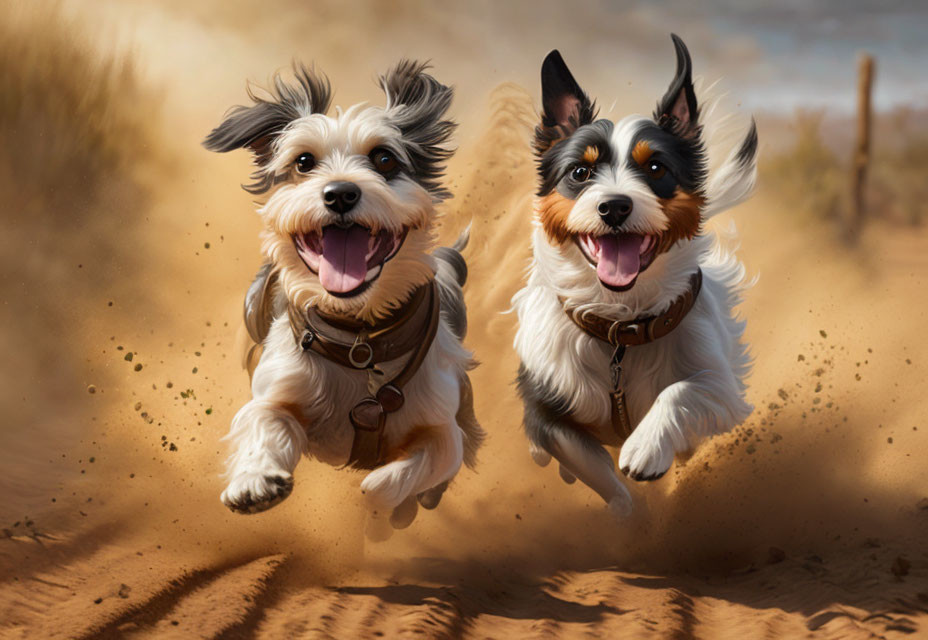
(619,258)
(344,258)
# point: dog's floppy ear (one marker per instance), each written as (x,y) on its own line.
(416,105)
(677,111)
(255,127)
(565,106)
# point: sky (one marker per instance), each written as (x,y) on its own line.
(772,56)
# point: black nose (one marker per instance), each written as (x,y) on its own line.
(615,211)
(341,196)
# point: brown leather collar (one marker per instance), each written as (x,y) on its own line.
(643,329)
(362,345)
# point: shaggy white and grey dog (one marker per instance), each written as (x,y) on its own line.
(619,237)
(349,233)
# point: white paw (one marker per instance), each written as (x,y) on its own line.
(388,486)
(252,492)
(382,492)
(646,455)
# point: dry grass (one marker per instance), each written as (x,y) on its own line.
(813,174)
(70,118)
(899,179)
(808,175)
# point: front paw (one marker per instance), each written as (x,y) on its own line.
(256,492)
(646,455)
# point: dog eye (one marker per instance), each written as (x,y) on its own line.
(305,162)
(581,173)
(385,163)
(655,170)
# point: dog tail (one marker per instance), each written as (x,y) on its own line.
(734,181)
(452,255)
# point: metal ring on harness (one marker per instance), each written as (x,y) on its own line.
(361,354)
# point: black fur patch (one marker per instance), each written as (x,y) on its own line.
(684,159)
(416,105)
(680,86)
(555,164)
(565,106)
(546,413)
(748,150)
(257,126)
(453,309)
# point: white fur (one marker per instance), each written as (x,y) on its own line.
(681,388)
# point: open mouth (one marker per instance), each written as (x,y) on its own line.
(618,257)
(347,259)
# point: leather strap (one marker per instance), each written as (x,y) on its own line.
(643,329)
(412,330)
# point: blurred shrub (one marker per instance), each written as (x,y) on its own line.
(70,118)
(813,179)
(75,129)
(808,176)
(899,174)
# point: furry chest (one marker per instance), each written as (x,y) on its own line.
(632,390)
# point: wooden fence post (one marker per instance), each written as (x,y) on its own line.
(861,158)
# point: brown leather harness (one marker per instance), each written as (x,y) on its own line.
(366,346)
(629,333)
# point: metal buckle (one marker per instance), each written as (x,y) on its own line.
(615,366)
(307,340)
(361,354)
(649,328)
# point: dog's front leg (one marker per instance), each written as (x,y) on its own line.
(704,404)
(268,442)
(433,456)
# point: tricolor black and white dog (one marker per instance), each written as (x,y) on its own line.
(357,323)
(626,331)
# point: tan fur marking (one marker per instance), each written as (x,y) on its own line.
(553,210)
(684,215)
(413,441)
(642,152)
(591,155)
(296,411)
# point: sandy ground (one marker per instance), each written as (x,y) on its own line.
(810,520)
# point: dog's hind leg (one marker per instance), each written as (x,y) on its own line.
(268,442)
(430,498)
(433,457)
(584,458)
(579,454)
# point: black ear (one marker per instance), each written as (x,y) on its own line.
(249,127)
(416,105)
(255,127)
(677,111)
(565,104)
